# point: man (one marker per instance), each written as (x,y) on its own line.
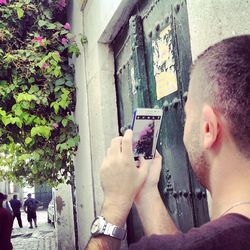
(16,205)
(6,205)
(30,207)
(217,139)
(5,226)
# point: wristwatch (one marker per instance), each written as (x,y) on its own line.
(101,226)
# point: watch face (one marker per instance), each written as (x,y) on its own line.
(95,226)
(98,226)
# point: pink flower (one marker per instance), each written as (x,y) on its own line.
(55,125)
(64,41)
(3,1)
(38,39)
(61,4)
(45,65)
(67,26)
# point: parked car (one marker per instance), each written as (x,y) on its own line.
(51,212)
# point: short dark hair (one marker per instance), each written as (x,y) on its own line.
(227,68)
(2,196)
(14,196)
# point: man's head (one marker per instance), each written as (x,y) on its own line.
(29,195)
(2,198)
(14,196)
(218,103)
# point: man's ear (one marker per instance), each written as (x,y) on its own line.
(210,128)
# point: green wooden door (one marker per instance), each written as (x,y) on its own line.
(152,59)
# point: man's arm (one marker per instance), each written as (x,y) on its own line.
(148,202)
(116,215)
(25,207)
(154,215)
(19,204)
(121,181)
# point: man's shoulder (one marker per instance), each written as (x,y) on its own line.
(3,210)
(4,213)
(220,233)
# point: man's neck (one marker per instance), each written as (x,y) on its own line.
(230,185)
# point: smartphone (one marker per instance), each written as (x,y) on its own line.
(146,127)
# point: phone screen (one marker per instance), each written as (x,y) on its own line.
(146,129)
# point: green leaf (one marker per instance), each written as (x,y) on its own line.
(57,88)
(2,112)
(57,71)
(28,140)
(20,12)
(72,142)
(56,56)
(59,82)
(18,122)
(34,89)
(55,106)
(43,131)
(69,84)
(73,49)
(51,26)
(31,80)
(25,97)
(6,120)
(65,122)
(42,23)
(25,105)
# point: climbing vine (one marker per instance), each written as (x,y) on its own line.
(38,135)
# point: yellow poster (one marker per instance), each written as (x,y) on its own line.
(166,83)
(164,70)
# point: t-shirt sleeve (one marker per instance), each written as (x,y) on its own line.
(6,225)
(167,242)
(218,234)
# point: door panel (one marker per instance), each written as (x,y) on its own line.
(152,59)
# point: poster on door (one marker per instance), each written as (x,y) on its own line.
(164,64)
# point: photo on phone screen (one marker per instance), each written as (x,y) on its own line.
(146,126)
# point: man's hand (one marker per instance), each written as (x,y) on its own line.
(151,182)
(121,179)
(148,202)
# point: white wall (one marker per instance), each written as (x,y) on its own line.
(4,187)
(64,218)
(83,164)
(213,20)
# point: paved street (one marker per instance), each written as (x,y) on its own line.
(41,238)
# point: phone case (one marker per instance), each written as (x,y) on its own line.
(146,126)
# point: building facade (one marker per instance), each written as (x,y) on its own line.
(133,47)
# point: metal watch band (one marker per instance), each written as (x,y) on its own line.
(115,232)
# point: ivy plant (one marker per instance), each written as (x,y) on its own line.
(38,135)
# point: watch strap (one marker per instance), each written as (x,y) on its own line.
(115,231)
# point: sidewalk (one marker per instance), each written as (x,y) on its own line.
(41,238)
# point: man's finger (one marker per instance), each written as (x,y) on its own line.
(157,155)
(127,142)
(115,146)
(144,166)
